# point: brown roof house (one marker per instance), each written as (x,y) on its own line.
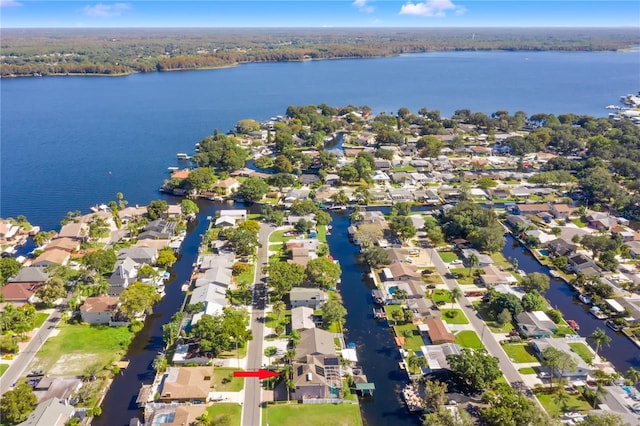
(186,384)
(78,231)
(55,255)
(99,309)
(438,332)
(317,370)
(400,271)
(20,293)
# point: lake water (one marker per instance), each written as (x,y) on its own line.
(72,142)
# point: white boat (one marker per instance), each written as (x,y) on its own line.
(585,299)
(173,169)
(182,156)
(596,312)
(554,274)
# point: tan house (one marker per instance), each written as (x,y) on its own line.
(55,255)
(99,309)
(186,384)
(317,369)
(227,186)
(65,243)
(493,276)
(78,231)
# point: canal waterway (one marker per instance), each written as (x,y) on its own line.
(119,405)
(376,349)
(621,352)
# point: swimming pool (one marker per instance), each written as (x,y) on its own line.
(392,290)
(544,252)
(163,418)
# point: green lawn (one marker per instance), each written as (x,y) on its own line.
(441,295)
(469,339)
(583,351)
(312,415)
(225,413)
(464,277)
(575,403)
(278,236)
(519,352)
(79,346)
(457,317)
(247,277)
(494,326)
(447,256)
(564,330)
(579,222)
(527,370)
(322,233)
(3,368)
(223,380)
(41,317)
(431,276)
(412,340)
(499,260)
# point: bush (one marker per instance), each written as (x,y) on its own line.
(555,315)
(240,268)
(136,326)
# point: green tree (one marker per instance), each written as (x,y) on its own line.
(278,308)
(189,207)
(138,298)
(475,368)
(323,272)
(52,290)
(561,398)
(327,159)
(599,338)
(166,257)
(444,417)
(416,363)
(200,179)
(333,313)
(632,375)
(435,394)
(473,261)
(283,276)
(505,317)
(282,180)
(282,164)
(506,407)
(533,301)
(253,189)
(348,174)
(430,146)
(455,294)
(244,242)
(247,126)
(375,256)
(100,261)
(270,351)
(402,226)
(603,419)
(156,209)
(557,362)
(9,267)
(17,404)
(535,281)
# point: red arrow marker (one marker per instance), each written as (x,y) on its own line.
(260,374)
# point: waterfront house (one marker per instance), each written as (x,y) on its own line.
(311,244)
(424,308)
(223,260)
(493,276)
(239,214)
(217,275)
(124,274)
(302,318)
(582,371)
(227,186)
(316,370)
(98,309)
(225,221)
(561,247)
(129,213)
(535,324)
(519,222)
(65,243)
(173,415)
(484,260)
(301,256)
(52,412)
(8,231)
(293,219)
(296,194)
(186,384)
(400,194)
(141,255)
(312,298)
(400,271)
(54,256)
(78,231)
(212,296)
(438,332)
(436,356)
(159,229)
(580,263)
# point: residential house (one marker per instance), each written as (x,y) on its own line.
(493,276)
(129,213)
(30,275)
(316,370)
(141,255)
(212,296)
(175,415)
(68,244)
(302,318)
(296,194)
(223,260)
(536,324)
(239,214)
(601,221)
(561,211)
(436,356)
(561,247)
(124,274)
(308,179)
(8,230)
(634,249)
(186,384)
(580,262)
(380,177)
(174,211)
(543,237)
(398,254)
(98,309)
(310,297)
(20,293)
(582,371)
(52,412)
(414,289)
(484,260)
(226,186)
(311,244)
(626,234)
(424,308)
(438,332)
(400,271)
(332,179)
(501,193)
(225,221)
(533,208)
(293,219)
(519,222)
(217,275)
(159,229)
(76,230)
(382,165)
(300,256)
(400,194)
(54,256)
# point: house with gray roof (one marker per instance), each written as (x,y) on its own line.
(141,255)
(536,324)
(302,318)
(223,260)
(214,298)
(31,274)
(562,344)
(52,412)
(316,370)
(310,297)
(216,275)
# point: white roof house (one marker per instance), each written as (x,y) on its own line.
(213,296)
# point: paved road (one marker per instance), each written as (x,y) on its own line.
(252,391)
(18,366)
(489,340)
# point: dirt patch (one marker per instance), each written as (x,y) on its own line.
(73,364)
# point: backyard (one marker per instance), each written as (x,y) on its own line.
(574,403)
(223,380)
(312,415)
(412,339)
(519,352)
(583,352)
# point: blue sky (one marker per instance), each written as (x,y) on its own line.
(327,13)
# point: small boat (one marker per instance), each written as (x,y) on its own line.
(596,312)
(182,156)
(612,325)
(573,324)
(521,273)
(173,169)
(554,274)
(585,299)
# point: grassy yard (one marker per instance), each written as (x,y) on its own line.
(278,236)
(527,370)
(41,317)
(469,339)
(519,352)
(493,325)
(3,368)
(447,256)
(412,339)
(322,233)
(79,346)
(247,277)
(441,295)
(583,351)
(312,415)
(454,316)
(564,330)
(499,260)
(464,277)
(579,222)
(223,380)
(575,403)
(225,413)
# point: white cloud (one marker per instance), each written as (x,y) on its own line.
(431,8)
(9,3)
(363,6)
(106,10)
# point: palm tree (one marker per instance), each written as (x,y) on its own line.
(278,308)
(599,338)
(473,261)
(415,362)
(455,294)
(561,398)
(632,375)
